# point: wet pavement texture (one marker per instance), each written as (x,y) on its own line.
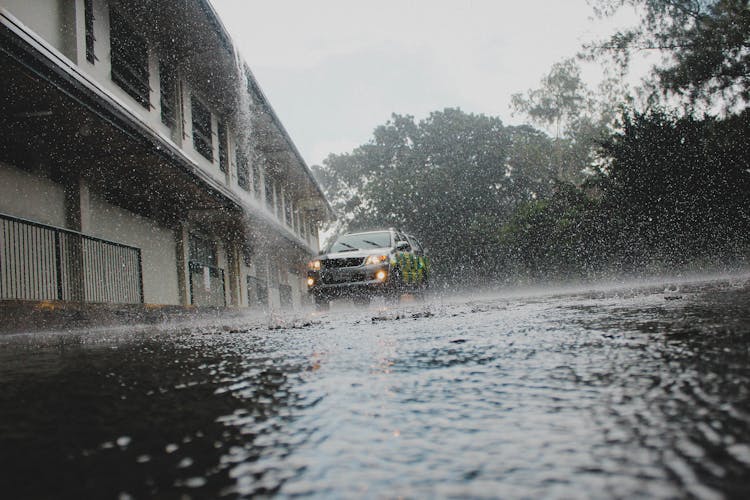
(615,391)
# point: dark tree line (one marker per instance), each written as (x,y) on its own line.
(675,194)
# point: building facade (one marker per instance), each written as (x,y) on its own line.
(141,162)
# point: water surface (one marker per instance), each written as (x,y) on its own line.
(612,391)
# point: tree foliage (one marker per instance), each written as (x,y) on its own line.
(451,178)
(675,194)
(579,117)
(672,192)
(559,101)
(681,184)
(706,44)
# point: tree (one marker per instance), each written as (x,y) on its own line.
(578,116)
(448,178)
(706,44)
(675,194)
(558,101)
(680,186)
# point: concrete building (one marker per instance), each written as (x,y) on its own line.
(141,162)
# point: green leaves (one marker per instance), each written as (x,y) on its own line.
(676,194)
(561,97)
(451,178)
(706,44)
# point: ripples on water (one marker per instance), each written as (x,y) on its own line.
(619,392)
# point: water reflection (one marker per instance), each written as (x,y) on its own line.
(682,393)
(145,417)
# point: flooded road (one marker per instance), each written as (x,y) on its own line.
(617,391)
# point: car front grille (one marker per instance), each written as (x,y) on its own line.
(348,262)
(333,279)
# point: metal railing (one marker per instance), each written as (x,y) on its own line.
(206,285)
(40,262)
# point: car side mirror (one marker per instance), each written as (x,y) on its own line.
(402,245)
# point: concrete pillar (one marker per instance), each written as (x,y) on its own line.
(234,274)
(182,249)
(223,257)
(77,218)
(77,206)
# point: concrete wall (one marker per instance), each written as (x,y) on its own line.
(100,70)
(157,244)
(32,197)
(53,20)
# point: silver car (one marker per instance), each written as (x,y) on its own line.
(360,265)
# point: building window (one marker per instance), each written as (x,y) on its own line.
(256,179)
(279,203)
(202,140)
(88,19)
(247,255)
(203,251)
(269,193)
(168,91)
(288,210)
(242,170)
(223,155)
(129,59)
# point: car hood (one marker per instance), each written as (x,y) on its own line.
(355,253)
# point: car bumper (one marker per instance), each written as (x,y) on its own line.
(343,282)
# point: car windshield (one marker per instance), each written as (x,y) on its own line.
(359,241)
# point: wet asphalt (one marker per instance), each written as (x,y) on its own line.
(608,391)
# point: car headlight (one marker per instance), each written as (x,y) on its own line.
(314,265)
(375,259)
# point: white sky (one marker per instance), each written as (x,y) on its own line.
(335,69)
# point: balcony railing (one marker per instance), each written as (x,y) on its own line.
(40,262)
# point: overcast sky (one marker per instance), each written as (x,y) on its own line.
(335,69)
